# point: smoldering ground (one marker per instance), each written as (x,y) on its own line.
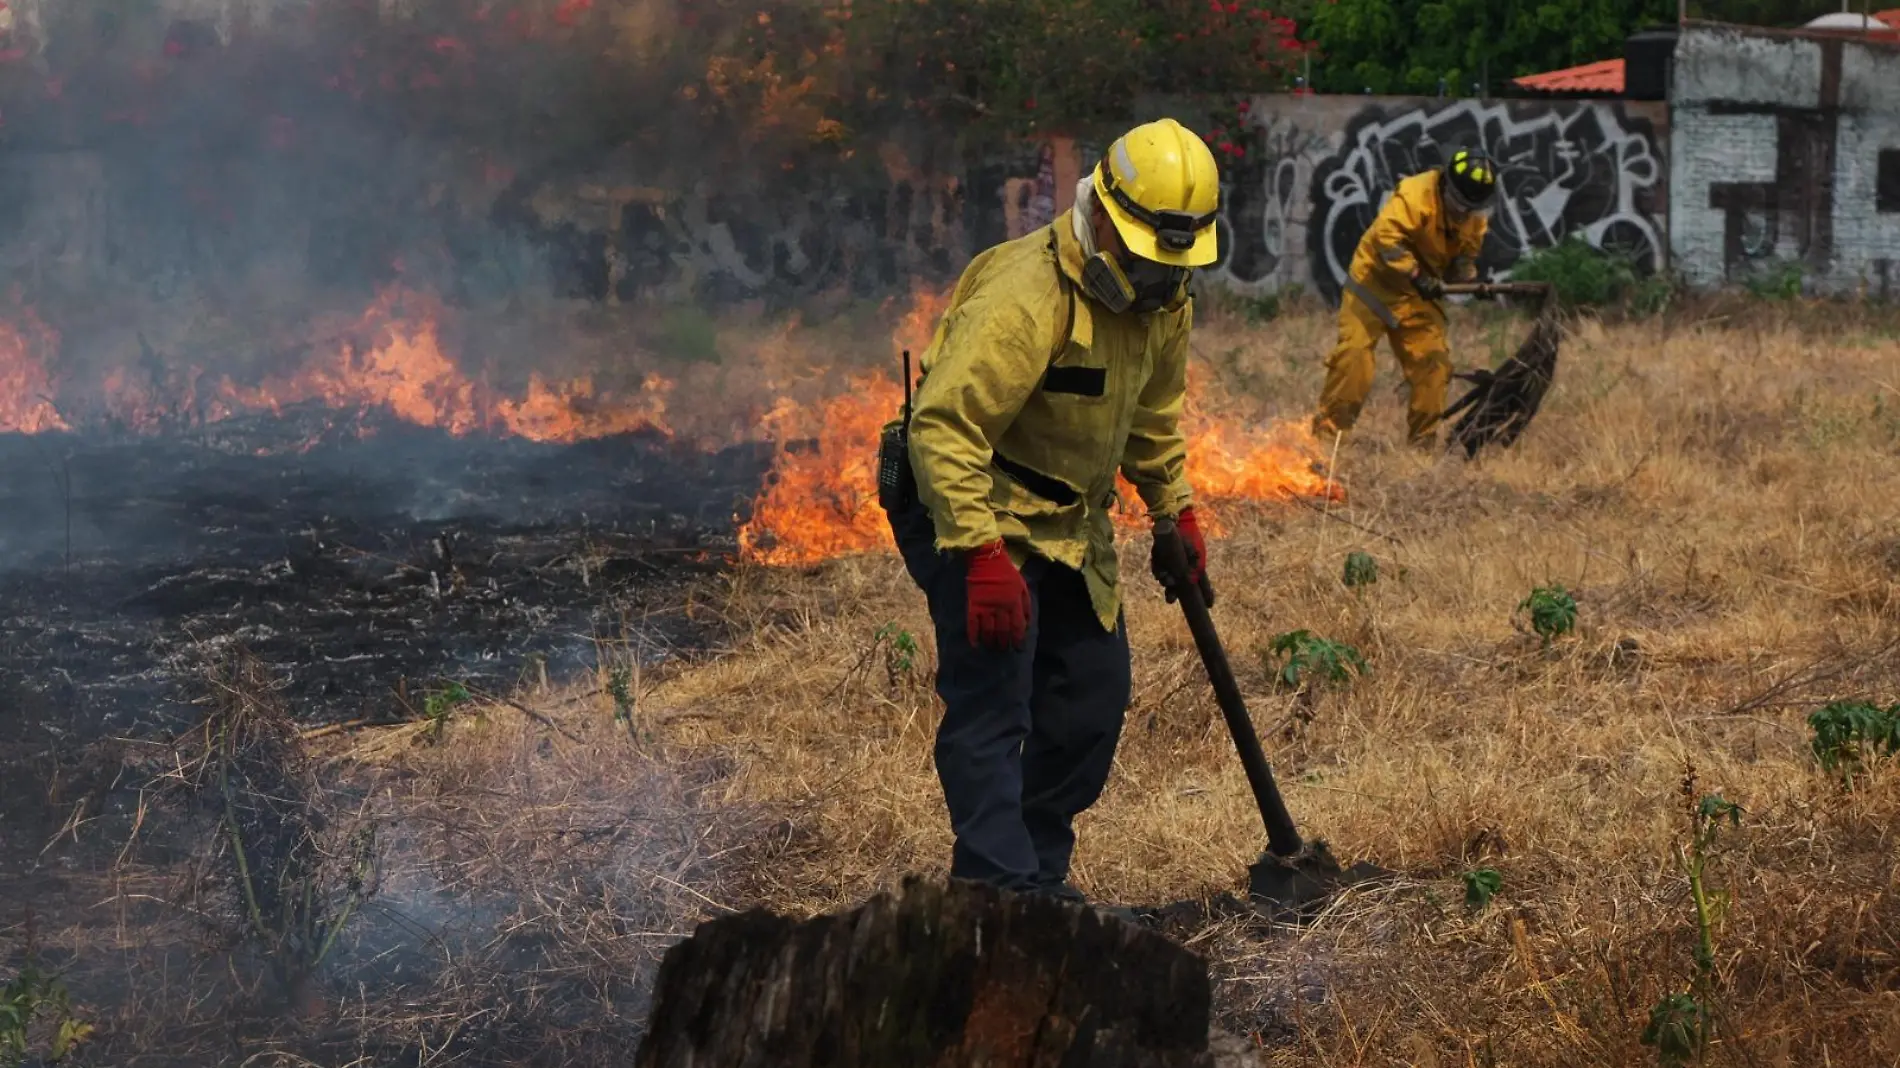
(359,377)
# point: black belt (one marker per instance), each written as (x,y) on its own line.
(1049,489)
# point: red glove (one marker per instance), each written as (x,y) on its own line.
(998,599)
(1196,545)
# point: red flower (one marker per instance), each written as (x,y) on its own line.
(571,10)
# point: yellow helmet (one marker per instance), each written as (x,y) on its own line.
(1161,188)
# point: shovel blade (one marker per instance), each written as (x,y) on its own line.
(1302,882)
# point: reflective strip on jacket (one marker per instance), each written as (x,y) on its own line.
(1413,232)
(1033,397)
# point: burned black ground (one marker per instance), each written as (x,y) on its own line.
(355,568)
(346,574)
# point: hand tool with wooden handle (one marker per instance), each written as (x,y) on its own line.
(1291,873)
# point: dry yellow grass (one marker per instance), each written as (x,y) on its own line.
(1720,495)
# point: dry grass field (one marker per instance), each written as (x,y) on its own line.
(1717,489)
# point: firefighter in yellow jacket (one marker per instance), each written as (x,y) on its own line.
(1060,359)
(1428,233)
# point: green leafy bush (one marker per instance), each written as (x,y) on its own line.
(1676,1028)
(1588,277)
(1779,281)
(31,1002)
(1552,611)
(1849,735)
(1360,570)
(437,707)
(687,332)
(1481,885)
(1299,657)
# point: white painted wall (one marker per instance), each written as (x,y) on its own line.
(1718,68)
(1863,237)
(1706,149)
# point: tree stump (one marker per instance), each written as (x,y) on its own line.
(939,975)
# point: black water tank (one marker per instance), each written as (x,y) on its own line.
(1647,58)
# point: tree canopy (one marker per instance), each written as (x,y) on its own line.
(1407,46)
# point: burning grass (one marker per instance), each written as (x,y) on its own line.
(1715,496)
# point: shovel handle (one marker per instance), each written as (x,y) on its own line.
(1283,838)
(1498,289)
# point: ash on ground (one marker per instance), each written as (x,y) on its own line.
(353,568)
(489,887)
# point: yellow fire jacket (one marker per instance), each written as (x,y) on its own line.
(1033,397)
(1413,231)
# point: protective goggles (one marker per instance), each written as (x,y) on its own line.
(1174,230)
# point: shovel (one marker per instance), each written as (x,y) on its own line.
(1497,289)
(1292,874)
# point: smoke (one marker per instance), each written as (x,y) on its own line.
(264,151)
(192,191)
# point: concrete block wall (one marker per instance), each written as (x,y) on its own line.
(1776,157)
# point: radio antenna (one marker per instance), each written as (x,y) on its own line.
(906,386)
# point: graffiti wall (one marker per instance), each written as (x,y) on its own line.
(1314,172)
(1781,147)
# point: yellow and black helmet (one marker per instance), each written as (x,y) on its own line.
(1471,179)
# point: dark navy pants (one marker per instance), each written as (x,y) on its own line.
(1027,737)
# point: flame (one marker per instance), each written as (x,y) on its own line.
(575,412)
(26,405)
(919,325)
(821,498)
(392,361)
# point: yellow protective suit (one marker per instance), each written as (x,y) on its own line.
(1412,232)
(1033,397)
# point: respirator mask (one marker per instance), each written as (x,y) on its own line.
(1136,283)
(1142,287)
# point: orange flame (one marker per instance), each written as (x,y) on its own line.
(401,369)
(574,412)
(821,500)
(395,363)
(26,405)
(392,360)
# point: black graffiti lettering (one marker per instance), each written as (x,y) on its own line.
(1583,169)
(1261,199)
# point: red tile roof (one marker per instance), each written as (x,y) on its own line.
(1603,76)
(1606,76)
